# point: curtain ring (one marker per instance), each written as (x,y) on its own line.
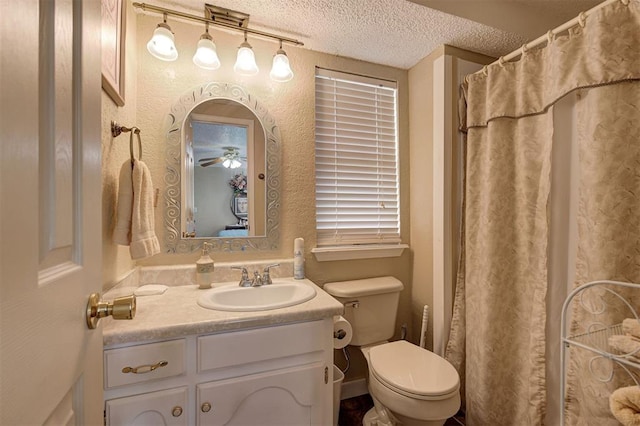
(550,37)
(484,71)
(582,19)
(525,49)
(501,61)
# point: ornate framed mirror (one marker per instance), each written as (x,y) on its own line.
(222,172)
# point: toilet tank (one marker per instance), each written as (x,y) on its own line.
(370,307)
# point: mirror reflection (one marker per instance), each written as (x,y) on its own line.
(222,172)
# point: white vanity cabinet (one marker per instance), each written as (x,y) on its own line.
(275,375)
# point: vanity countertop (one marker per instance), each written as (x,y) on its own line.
(176,313)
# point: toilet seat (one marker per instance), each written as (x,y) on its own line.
(413,371)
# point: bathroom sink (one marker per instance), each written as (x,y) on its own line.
(244,299)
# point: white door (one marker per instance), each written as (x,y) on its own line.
(50,214)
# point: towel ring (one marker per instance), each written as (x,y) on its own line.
(137,132)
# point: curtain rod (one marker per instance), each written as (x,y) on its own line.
(578,20)
(148,7)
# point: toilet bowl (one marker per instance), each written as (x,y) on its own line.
(409,385)
(415,386)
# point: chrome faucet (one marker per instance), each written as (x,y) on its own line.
(244,279)
(257,280)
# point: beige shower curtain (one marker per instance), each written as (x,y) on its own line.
(608,231)
(498,330)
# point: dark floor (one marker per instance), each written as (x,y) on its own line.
(352,411)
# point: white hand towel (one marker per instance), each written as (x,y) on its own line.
(122,230)
(631,326)
(144,242)
(625,405)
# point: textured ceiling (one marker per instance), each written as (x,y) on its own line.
(398,33)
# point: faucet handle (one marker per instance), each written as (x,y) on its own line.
(266,276)
(244,279)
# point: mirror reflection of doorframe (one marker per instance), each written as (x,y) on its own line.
(188,185)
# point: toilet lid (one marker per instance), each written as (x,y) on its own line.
(410,369)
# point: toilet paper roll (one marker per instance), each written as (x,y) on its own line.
(342,332)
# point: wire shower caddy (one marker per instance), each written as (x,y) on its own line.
(596,337)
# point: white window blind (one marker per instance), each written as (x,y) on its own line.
(357,197)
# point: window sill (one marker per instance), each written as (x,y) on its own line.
(327,254)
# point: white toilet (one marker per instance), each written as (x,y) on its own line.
(409,385)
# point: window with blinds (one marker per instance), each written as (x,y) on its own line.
(356,147)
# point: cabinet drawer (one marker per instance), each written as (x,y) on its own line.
(244,347)
(135,364)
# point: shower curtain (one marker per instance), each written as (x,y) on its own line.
(498,336)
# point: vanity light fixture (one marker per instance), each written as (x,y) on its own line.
(280,70)
(206,55)
(246,60)
(162,44)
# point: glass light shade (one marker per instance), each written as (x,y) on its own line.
(280,70)
(246,61)
(206,56)
(161,44)
(231,164)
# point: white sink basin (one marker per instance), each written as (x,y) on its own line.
(244,299)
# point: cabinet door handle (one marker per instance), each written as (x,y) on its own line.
(177,411)
(141,369)
(206,407)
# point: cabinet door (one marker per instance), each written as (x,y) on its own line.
(167,407)
(283,397)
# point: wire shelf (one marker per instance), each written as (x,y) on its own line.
(596,338)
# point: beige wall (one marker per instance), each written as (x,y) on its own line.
(421,109)
(157,86)
(421,193)
(116,259)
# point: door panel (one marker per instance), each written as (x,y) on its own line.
(167,407)
(278,398)
(50,183)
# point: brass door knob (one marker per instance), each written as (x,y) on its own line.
(120,308)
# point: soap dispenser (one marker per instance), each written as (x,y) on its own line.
(204,268)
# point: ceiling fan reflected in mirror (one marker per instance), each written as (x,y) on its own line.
(230,159)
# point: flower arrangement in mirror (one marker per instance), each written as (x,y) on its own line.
(239,184)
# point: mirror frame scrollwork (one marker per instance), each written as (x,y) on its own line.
(174,243)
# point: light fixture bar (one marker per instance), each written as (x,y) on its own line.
(148,7)
(228,16)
